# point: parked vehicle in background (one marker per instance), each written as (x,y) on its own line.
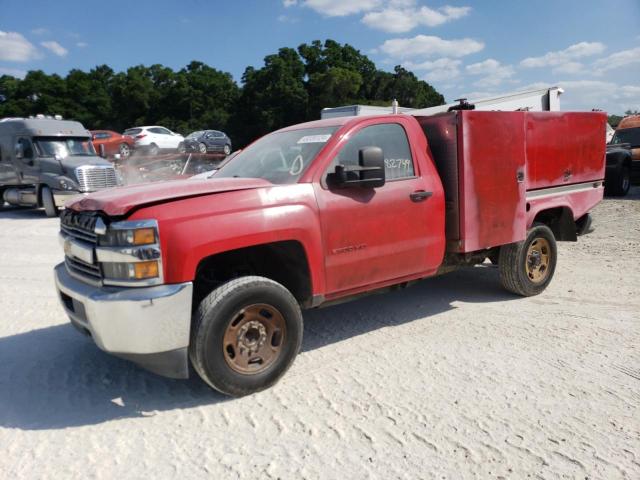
(208,141)
(46,161)
(617,178)
(109,143)
(623,156)
(215,272)
(155,139)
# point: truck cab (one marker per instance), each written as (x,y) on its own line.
(46,161)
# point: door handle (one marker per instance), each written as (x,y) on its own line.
(419,196)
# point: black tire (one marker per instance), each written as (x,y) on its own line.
(619,183)
(153,149)
(515,275)
(48,202)
(202,148)
(227,149)
(214,318)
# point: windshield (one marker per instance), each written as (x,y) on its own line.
(64,147)
(280,157)
(627,135)
(195,134)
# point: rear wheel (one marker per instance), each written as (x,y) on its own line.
(527,267)
(227,149)
(124,150)
(245,335)
(202,148)
(48,202)
(620,183)
(153,149)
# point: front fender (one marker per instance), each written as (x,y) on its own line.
(195,228)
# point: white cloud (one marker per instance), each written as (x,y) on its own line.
(287,19)
(15,48)
(492,71)
(569,68)
(617,60)
(55,48)
(82,44)
(399,20)
(425,46)
(341,8)
(39,31)
(289,3)
(14,72)
(573,52)
(442,69)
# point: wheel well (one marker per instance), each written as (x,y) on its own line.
(560,221)
(284,262)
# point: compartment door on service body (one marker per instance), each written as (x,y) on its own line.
(373,235)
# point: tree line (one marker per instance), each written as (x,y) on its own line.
(292,86)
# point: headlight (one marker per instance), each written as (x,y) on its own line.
(129,253)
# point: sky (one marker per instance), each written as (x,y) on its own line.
(473,49)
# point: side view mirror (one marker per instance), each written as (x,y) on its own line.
(369,173)
(19,151)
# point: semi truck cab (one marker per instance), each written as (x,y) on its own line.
(45,161)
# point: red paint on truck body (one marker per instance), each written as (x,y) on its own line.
(359,239)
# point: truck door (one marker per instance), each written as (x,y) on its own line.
(376,235)
(25,162)
(8,174)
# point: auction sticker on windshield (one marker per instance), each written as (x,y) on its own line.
(314,138)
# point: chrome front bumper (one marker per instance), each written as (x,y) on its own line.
(147,325)
(60,197)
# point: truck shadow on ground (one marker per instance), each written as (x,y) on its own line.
(53,378)
(21,213)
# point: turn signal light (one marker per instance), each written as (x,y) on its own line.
(144,270)
(144,236)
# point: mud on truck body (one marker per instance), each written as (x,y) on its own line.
(215,272)
(45,162)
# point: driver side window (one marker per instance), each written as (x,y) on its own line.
(27,148)
(391,138)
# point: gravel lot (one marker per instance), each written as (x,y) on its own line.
(452,378)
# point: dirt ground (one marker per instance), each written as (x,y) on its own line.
(451,378)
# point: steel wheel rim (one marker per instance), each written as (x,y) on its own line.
(538,260)
(254,338)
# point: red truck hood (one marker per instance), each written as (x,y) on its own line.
(119,201)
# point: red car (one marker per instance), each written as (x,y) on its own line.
(113,143)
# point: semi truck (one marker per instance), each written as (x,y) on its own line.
(214,273)
(45,161)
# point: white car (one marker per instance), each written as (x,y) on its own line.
(154,139)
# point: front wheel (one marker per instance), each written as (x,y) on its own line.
(245,335)
(527,267)
(48,202)
(227,149)
(202,148)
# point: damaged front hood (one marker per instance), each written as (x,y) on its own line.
(119,201)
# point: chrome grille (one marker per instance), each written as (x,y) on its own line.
(80,226)
(92,177)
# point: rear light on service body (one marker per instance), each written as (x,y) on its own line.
(142,135)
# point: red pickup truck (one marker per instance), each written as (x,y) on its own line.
(215,272)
